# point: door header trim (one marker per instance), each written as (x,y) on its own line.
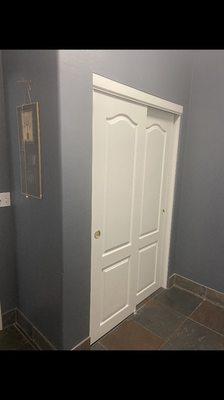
(118,89)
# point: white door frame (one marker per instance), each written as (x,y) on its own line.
(122,91)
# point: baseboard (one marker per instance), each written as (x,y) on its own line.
(196,288)
(16,317)
(84,345)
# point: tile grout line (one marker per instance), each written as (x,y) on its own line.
(190,319)
(101,344)
(181,324)
(204,297)
(151,298)
(198,284)
(175,330)
(25,336)
(171,309)
(186,317)
(178,312)
(204,326)
(127,318)
(147,329)
(188,291)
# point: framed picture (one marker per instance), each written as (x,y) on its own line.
(30,150)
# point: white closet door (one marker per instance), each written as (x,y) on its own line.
(131,171)
(118,136)
(156,153)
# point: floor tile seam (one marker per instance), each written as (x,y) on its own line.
(148,301)
(175,330)
(101,344)
(189,291)
(179,312)
(215,304)
(205,326)
(27,339)
(19,345)
(204,297)
(149,330)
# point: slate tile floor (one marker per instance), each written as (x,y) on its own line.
(170,319)
(12,339)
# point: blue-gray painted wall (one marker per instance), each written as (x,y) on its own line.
(8,286)
(53,269)
(163,73)
(38,222)
(199,245)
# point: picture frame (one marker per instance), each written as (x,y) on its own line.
(30,150)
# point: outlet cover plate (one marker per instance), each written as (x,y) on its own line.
(5,199)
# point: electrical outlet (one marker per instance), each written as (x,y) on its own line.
(5,199)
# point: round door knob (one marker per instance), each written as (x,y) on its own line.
(97,234)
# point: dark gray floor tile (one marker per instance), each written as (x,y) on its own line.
(210,315)
(11,339)
(179,300)
(97,346)
(192,336)
(27,347)
(149,298)
(215,297)
(131,336)
(159,319)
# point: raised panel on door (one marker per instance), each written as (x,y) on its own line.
(146,275)
(118,128)
(155,145)
(157,148)
(119,176)
(115,277)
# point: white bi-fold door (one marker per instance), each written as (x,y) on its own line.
(132,161)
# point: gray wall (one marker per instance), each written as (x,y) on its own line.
(53,254)
(38,222)
(200,228)
(163,73)
(8,288)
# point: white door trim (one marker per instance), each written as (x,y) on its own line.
(117,89)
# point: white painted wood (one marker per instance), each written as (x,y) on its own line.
(157,156)
(170,201)
(133,178)
(107,85)
(118,129)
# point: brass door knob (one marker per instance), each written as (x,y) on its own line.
(97,234)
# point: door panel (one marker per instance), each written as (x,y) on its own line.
(115,276)
(157,151)
(153,170)
(146,275)
(118,130)
(119,175)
